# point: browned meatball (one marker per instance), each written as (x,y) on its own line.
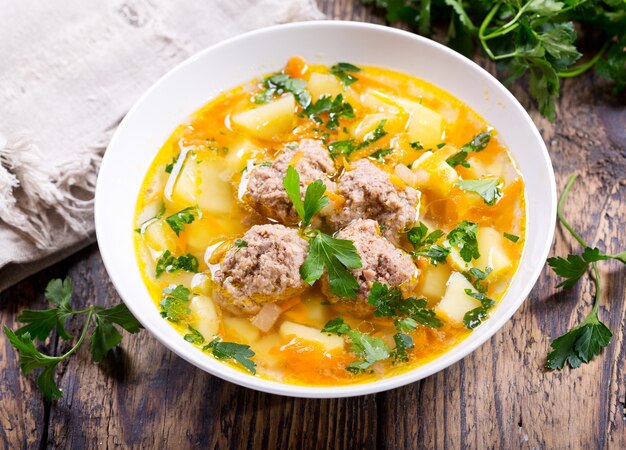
(265,191)
(381,261)
(369,194)
(265,270)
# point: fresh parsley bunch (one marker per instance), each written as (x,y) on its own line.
(100,323)
(584,341)
(533,38)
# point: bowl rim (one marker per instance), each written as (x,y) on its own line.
(274,387)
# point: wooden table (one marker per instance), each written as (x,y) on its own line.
(144,396)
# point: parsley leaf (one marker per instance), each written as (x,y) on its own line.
(335,255)
(177,221)
(463,236)
(120,315)
(403,342)
(174,303)
(336,109)
(424,244)
(169,167)
(580,344)
(194,336)
(371,349)
(380,154)
(477,144)
(389,302)
(240,243)
(105,337)
(170,263)
(230,350)
(474,317)
(511,237)
(314,198)
(344,72)
(487,188)
(337,326)
(280,83)
(575,266)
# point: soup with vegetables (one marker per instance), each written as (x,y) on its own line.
(330,225)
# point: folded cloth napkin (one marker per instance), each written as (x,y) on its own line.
(70,71)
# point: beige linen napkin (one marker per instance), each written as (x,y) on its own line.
(70,71)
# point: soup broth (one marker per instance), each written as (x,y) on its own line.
(419,234)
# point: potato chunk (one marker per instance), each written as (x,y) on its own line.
(321,84)
(433,281)
(492,252)
(434,174)
(240,329)
(455,302)
(205,317)
(268,120)
(424,124)
(289,330)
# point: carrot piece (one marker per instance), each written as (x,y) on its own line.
(296,67)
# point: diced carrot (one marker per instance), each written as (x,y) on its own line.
(296,67)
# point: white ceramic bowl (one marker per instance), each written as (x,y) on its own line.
(225,65)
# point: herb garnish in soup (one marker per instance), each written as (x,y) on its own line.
(330,225)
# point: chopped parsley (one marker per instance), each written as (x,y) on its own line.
(380,154)
(240,243)
(463,237)
(174,305)
(487,188)
(389,302)
(511,237)
(177,221)
(169,167)
(348,146)
(194,336)
(336,109)
(344,71)
(231,350)
(170,263)
(370,349)
(477,144)
(474,317)
(280,83)
(424,244)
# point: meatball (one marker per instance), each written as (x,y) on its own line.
(265,192)
(369,194)
(265,270)
(381,261)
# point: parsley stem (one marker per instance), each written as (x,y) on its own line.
(596,280)
(81,338)
(579,70)
(559,211)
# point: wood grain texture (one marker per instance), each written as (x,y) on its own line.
(143,396)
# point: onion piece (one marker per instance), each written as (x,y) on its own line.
(406,175)
(266,318)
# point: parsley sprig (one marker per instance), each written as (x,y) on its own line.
(463,236)
(326,253)
(178,220)
(99,321)
(170,263)
(585,340)
(231,350)
(533,38)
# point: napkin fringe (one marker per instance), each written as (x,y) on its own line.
(33,190)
